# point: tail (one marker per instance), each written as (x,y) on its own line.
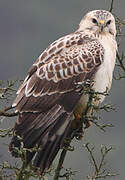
(45,130)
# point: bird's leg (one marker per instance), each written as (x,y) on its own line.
(86,122)
(77,126)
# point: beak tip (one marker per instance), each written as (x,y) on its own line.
(101,28)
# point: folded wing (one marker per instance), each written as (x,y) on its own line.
(46,99)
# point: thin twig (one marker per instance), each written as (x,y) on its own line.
(21,173)
(60,164)
(4,112)
(111,7)
(91,155)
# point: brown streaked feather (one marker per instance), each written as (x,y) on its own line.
(83,61)
(48,95)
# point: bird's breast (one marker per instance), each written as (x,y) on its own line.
(103,77)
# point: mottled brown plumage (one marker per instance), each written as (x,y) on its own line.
(49,95)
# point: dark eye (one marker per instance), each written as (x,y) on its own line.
(94,21)
(108,22)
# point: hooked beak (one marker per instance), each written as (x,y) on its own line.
(101,25)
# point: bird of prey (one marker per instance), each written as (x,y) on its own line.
(48,98)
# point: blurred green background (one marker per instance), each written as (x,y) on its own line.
(27,27)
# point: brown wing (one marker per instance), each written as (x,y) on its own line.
(48,96)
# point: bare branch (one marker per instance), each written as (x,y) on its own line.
(99,171)
(62,158)
(111,6)
(4,112)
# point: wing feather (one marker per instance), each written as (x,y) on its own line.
(48,95)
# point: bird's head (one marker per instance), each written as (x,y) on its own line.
(99,21)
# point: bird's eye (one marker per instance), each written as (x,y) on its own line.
(94,21)
(108,22)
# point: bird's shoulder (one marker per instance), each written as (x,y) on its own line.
(72,41)
(76,49)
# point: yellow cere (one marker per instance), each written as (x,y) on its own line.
(102,21)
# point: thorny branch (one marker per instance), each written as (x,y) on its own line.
(66,148)
(5,92)
(8,89)
(99,170)
(6,132)
(60,164)
(4,112)
(111,6)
